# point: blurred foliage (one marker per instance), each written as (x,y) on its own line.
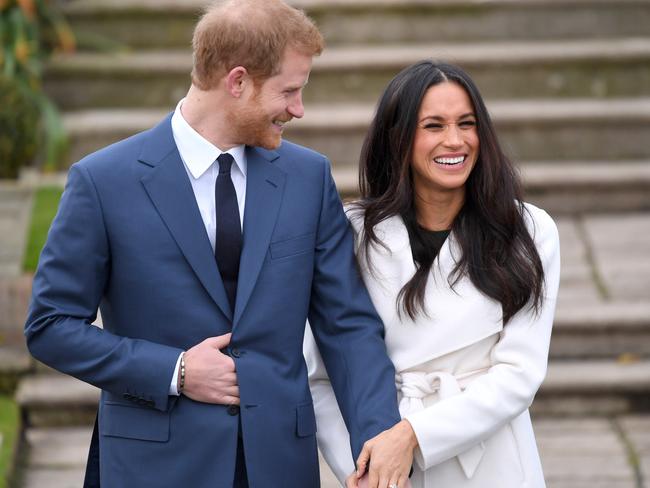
(19,118)
(30,32)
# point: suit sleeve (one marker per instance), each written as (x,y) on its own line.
(73,271)
(347,329)
(456,424)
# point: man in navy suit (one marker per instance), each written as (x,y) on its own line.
(206,242)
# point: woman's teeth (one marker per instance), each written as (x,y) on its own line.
(450,161)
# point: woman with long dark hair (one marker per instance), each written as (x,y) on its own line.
(464,275)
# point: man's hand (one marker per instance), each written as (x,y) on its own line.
(209,374)
(390,455)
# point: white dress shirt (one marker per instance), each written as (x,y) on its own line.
(200,159)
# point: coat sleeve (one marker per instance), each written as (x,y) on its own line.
(73,271)
(332,435)
(347,330)
(519,361)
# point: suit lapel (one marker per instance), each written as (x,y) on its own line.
(170,191)
(264,190)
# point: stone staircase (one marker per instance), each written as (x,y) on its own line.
(567,82)
(568,85)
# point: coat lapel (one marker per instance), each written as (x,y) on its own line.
(264,190)
(455,317)
(170,191)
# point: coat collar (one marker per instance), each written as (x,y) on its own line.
(457,317)
(392,232)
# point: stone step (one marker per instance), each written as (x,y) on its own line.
(602,330)
(590,452)
(574,68)
(595,387)
(576,453)
(15,293)
(169,23)
(620,247)
(570,187)
(57,458)
(55,400)
(588,186)
(531,129)
(15,363)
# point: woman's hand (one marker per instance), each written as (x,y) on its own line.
(352,481)
(390,455)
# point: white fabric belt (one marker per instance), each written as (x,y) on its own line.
(417,385)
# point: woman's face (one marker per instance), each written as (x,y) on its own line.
(446,143)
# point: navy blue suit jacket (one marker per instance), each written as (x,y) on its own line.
(128,238)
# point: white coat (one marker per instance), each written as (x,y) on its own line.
(465,381)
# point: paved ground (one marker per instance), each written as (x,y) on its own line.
(576,453)
(604,260)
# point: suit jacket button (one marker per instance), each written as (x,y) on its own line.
(233,410)
(235,352)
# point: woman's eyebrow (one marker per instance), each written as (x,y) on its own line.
(441,119)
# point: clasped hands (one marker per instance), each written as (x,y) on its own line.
(210,375)
(386,458)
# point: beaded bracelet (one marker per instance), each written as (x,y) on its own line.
(181,385)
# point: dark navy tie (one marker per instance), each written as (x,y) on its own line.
(228,241)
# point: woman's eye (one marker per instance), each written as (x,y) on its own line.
(434,126)
(467,124)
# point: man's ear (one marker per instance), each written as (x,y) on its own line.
(236,81)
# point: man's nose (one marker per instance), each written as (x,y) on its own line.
(296,108)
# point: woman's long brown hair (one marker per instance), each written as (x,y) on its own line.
(498,252)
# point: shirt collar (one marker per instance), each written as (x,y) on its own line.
(198,153)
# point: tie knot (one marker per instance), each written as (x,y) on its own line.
(225,163)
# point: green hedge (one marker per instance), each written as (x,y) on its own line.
(10,432)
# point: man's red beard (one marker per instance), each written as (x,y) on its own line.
(253,127)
